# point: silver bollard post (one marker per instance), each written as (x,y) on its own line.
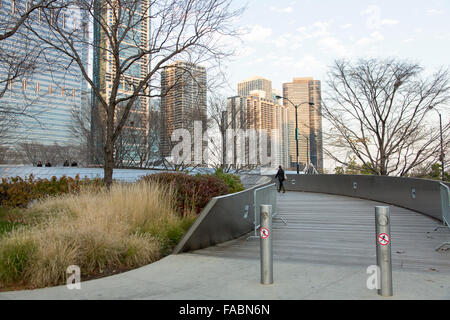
(383,241)
(266,244)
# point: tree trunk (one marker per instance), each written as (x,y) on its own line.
(109,150)
(109,165)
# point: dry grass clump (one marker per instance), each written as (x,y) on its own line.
(103,232)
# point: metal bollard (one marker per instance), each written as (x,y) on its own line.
(266,244)
(383,241)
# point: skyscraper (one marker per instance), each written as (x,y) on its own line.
(183,101)
(302,91)
(53,91)
(104,69)
(258,113)
(246,87)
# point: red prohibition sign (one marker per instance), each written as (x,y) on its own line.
(264,233)
(383,239)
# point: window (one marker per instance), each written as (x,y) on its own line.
(50,89)
(62,91)
(24,85)
(38,87)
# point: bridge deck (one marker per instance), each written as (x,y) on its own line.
(336,230)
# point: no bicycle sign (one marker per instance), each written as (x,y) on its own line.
(264,232)
(383,239)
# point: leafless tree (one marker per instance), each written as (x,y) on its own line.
(188,30)
(20,12)
(378,111)
(220,118)
(55,154)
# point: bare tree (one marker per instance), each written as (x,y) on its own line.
(218,119)
(378,112)
(20,12)
(223,119)
(180,29)
(55,154)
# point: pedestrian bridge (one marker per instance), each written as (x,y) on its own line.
(339,230)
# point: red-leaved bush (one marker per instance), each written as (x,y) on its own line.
(192,192)
(18,192)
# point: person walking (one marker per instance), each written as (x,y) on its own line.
(281,178)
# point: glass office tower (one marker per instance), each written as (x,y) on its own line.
(45,98)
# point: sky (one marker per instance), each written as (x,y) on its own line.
(286,39)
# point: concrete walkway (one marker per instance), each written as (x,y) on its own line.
(231,271)
(198,277)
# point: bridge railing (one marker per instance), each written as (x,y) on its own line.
(420,195)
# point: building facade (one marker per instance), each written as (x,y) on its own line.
(183,101)
(301,91)
(54,90)
(260,114)
(135,131)
(260,84)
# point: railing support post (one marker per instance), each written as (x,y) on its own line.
(266,244)
(383,243)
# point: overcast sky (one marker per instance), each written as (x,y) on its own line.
(287,39)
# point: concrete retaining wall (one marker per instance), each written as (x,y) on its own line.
(415,194)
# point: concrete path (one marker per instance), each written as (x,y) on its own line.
(319,254)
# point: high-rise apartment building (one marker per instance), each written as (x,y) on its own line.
(54,89)
(301,91)
(183,101)
(258,113)
(104,70)
(246,87)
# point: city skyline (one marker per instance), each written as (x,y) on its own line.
(284,48)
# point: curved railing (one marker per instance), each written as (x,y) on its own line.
(420,195)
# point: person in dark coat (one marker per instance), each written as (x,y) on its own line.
(280,177)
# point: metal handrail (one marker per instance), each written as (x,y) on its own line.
(445,205)
(255,206)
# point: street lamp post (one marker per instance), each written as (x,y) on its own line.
(296,126)
(442,144)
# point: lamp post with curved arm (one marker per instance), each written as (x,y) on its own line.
(296,125)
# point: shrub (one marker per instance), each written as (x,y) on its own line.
(192,192)
(18,192)
(231,180)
